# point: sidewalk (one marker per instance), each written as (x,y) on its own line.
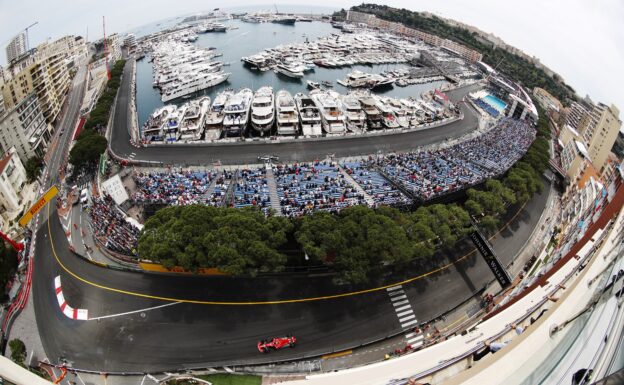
(25,328)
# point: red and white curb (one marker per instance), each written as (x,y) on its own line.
(77,314)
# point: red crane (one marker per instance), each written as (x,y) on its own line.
(16,245)
(105,48)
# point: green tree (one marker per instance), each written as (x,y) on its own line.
(18,350)
(87,150)
(33,168)
(236,241)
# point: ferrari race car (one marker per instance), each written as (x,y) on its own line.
(276,343)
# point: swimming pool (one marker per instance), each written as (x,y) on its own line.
(495,102)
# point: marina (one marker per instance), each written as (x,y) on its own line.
(349,76)
(245,41)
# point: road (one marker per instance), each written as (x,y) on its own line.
(246,153)
(138,325)
(199,335)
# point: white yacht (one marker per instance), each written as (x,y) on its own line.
(192,125)
(237,113)
(214,119)
(263,110)
(260,61)
(331,115)
(352,109)
(357,79)
(290,70)
(309,115)
(152,129)
(193,83)
(388,117)
(373,115)
(403,114)
(287,117)
(171,128)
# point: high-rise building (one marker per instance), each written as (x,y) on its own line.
(25,128)
(44,73)
(601,133)
(16,47)
(587,137)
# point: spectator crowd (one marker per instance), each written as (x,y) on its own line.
(304,187)
(111,227)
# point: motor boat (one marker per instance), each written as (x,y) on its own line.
(263,110)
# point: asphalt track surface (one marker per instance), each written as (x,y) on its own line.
(197,335)
(188,335)
(245,153)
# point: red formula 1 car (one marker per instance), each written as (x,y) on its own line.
(277,343)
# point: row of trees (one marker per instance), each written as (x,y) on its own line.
(98,117)
(513,65)
(90,143)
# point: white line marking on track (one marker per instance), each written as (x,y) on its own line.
(398,309)
(398,298)
(409,317)
(413,340)
(393,293)
(393,288)
(134,311)
(405,313)
(412,322)
(400,303)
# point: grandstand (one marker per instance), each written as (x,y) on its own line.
(399,180)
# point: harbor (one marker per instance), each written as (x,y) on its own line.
(315,79)
(246,40)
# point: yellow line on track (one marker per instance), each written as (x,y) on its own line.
(278,302)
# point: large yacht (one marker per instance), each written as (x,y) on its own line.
(192,125)
(284,19)
(263,110)
(260,61)
(290,70)
(192,83)
(214,119)
(171,131)
(287,117)
(237,113)
(153,128)
(388,117)
(309,115)
(355,115)
(331,115)
(373,115)
(359,79)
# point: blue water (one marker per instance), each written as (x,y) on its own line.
(249,39)
(495,102)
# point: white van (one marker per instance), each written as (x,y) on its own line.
(84,196)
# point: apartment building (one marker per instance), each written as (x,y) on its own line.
(16,47)
(601,133)
(12,192)
(587,137)
(45,72)
(25,129)
(47,76)
(546,100)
